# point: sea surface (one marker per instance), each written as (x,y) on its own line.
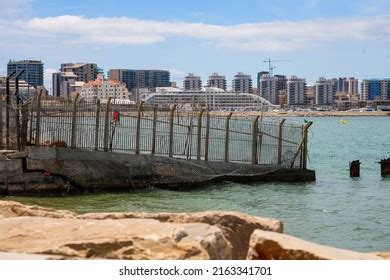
(335,210)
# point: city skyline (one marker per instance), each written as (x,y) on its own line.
(321,38)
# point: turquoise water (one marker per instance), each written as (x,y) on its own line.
(335,210)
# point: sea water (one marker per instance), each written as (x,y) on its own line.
(335,210)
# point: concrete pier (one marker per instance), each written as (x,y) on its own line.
(66,171)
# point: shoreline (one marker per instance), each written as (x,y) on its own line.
(308,114)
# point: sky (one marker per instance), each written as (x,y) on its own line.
(333,38)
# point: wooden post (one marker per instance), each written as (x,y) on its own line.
(280,145)
(38,120)
(97,124)
(227,137)
(30,136)
(74,123)
(207,137)
(106,125)
(305,141)
(171,119)
(138,132)
(199,140)
(24,128)
(1,122)
(154,129)
(255,134)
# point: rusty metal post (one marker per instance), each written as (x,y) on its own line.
(74,123)
(30,136)
(106,126)
(207,137)
(1,122)
(24,128)
(97,124)
(305,143)
(199,139)
(154,130)
(354,168)
(171,119)
(227,127)
(138,132)
(7,107)
(280,145)
(255,135)
(38,120)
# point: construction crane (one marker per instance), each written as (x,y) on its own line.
(270,67)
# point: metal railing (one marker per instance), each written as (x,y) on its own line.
(141,129)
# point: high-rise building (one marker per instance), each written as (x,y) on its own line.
(65,84)
(192,82)
(217,81)
(141,78)
(296,91)
(259,75)
(33,71)
(270,87)
(353,86)
(375,89)
(242,83)
(325,91)
(85,72)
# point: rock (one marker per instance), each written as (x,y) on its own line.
(236,227)
(265,245)
(112,239)
(384,255)
(21,256)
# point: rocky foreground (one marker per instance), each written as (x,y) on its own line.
(33,232)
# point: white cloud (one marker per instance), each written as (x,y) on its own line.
(263,36)
(10,8)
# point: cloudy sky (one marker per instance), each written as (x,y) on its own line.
(321,38)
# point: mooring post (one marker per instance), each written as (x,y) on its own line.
(74,123)
(154,129)
(227,136)
(207,137)
(38,120)
(280,145)
(354,168)
(97,124)
(255,135)
(199,140)
(305,142)
(24,128)
(171,119)
(138,132)
(385,166)
(106,125)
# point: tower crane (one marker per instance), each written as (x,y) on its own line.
(270,67)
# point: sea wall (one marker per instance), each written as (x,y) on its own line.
(33,232)
(63,171)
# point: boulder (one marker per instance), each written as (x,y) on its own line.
(140,239)
(265,245)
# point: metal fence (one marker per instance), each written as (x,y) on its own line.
(143,129)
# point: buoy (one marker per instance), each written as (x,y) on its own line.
(342,121)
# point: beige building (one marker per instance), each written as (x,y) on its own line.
(103,89)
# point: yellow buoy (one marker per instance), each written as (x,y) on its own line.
(342,121)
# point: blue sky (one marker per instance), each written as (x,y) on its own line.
(321,38)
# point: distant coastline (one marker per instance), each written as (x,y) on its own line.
(311,114)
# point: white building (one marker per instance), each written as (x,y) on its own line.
(192,82)
(212,99)
(217,81)
(268,88)
(242,83)
(296,91)
(103,89)
(325,91)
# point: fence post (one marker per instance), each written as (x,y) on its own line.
(305,141)
(30,136)
(38,120)
(138,132)
(106,125)
(1,122)
(207,137)
(97,124)
(24,128)
(227,137)
(171,119)
(74,123)
(199,140)
(280,145)
(255,134)
(154,129)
